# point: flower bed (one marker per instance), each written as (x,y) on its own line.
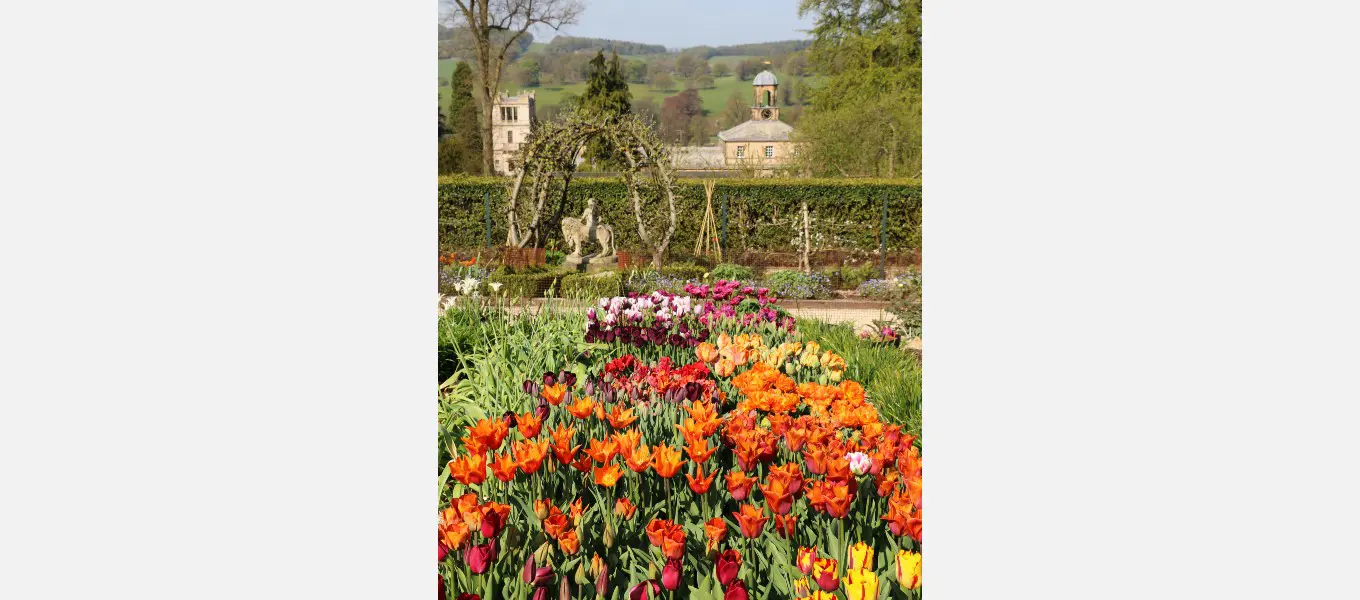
(749,467)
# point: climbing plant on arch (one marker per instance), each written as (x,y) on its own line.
(548,161)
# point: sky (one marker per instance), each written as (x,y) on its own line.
(684,23)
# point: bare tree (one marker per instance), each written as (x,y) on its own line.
(495,26)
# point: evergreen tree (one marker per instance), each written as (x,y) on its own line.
(606,91)
(462,150)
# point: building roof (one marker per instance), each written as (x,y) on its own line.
(758,131)
(697,157)
(765,78)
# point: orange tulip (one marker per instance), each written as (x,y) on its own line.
(576,507)
(699,451)
(556,524)
(656,531)
(541,509)
(625,508)
(490,433)
(554,393)
(470,469)
(569,543)
(691,430)
(667,461)
(608,476)
(706,352)
(582,407)
(715,530)
(582,463)
(739,485)
(504,467)
(791,475)
(530,455)
(620,417)
(640,459)
(778,496)
(886,482)
(724,368)
(838,501)
(453,533)
(673,545)
(602,451)
(472,445)
(751,519)
(627,441)
(529,425)
(700,484)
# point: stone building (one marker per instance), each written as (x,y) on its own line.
(763,142)
(511,119)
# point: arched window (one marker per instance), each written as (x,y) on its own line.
(767,98)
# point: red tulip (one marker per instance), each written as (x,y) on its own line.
(670,576)
(645,590)
(442,592)
(736,591)
(727,565)
(467,596)
(479,558)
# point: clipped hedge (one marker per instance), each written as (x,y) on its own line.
(528,285)
(762,214)
(581,285)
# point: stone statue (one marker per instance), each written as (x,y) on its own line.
(577,232)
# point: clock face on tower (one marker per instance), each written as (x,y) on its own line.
(765,113)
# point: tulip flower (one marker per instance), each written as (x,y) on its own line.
(736,591)
(859,462)
(706,352)
(861,584)
(751,519)
(470,469)
(569,543)
(529,425)
(820,595)
(554,393)
(645,590)
(908,569)
(582,407)
(785,526)
(802,589)
(479,558)
(504,467)
(625,508)
(824,573)
(806,558)
(619,417)
(726,566)
(714,530)
(640,459)
(700,484)
(861,556)
(739,485)
(778,497)
(536,575)
(607,477)
(667,461)
(465,596)
(670,575)
(493,519)
(530,455)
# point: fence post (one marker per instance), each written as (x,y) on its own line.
(724,229)
(883,242)
(487,204)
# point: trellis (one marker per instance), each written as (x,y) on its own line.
(707,242)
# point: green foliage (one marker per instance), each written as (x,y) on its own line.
(530,282)
(461,150)
(607,92)
(868,113)
(763,214)
(732,271)
(589,287)
(849,277)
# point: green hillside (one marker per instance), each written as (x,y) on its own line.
(714,99)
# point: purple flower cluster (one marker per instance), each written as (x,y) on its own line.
(639,319)
(732,301)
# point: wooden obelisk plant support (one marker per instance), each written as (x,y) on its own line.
(707,244)
(807,241)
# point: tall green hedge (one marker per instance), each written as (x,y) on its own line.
(763,214)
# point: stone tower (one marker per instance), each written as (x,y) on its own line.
(766,105)
(512,118)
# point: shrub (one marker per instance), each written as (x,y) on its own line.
(581,285)
(799,285)
(731,271)
(849,277)
(684,270)
(530,282)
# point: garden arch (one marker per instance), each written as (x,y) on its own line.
(549,158)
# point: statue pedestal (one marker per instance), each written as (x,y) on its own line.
(591,264)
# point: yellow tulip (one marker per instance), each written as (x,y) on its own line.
(908,569)
(861,584)
(861,556)
(801,588)
(820,595)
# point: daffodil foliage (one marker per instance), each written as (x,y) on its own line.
(750,468)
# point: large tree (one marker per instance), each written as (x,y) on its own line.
(461,150)
(677,115)
(607,93)
(495,27)
(866,118)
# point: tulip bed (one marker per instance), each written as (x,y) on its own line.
(678,458)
